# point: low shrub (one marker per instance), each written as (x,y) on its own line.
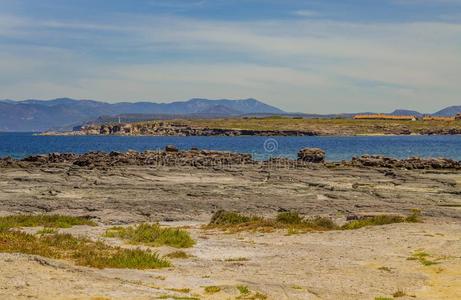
(153,235)
(81,251)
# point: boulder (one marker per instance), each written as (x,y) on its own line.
(312,155)
(171,148)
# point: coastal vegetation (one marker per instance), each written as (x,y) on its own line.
(48,221)
(235,222)
(178,255)
(414,217)
(212,289)
(423,258)
(152,235)
(81,251)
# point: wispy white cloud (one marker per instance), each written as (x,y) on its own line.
(304,64)
(306,13)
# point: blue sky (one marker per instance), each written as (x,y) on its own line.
(311,56)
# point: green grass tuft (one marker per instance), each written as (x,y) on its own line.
(223,217)
(236,259)
(81,251)
(243,289)
(399,294)
(289,218)
(235,222)
(295,224)
(51,221)
(415,217)
(152,235)
(212,289)
(422,257)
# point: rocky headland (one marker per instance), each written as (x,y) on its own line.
(269,127)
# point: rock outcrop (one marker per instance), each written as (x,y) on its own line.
(312,155)
(176,129)
(170,157)
(377,161)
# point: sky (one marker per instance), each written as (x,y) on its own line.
(312,56)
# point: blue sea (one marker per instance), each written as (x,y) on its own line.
(19,145)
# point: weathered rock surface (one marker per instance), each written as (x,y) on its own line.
(410,163)
(170,157)
(273,264)
(307,158)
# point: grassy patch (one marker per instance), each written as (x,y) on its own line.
(178,255)
(243,289)
(47,230)
(423,258)
(233,259)
(383,298)
(212,289)
(295,224)
(399,294)
(81,251)
(235,222)
(414,217)
(181,290)
(247,294)
(386,269)
(52,221)
(152,235)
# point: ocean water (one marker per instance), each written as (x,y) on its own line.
(19,145)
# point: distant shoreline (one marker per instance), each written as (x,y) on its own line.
(269,127)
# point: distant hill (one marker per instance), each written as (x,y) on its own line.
(406,112)
(449,111)
(41,115)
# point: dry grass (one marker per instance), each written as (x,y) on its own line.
(414,217)
(81,251)
(247,294)
(235,222)
(399,294)
(50,221)
(212,289)
(152,235)
(178,255)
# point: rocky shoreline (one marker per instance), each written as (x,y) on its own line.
(172,157)
(167,128)
(183,189)
(174,129)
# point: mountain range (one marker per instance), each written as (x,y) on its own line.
(65,113)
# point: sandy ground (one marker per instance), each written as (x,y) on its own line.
(359,264)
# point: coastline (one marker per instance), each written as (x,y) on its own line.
(128,189)
(269,127)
